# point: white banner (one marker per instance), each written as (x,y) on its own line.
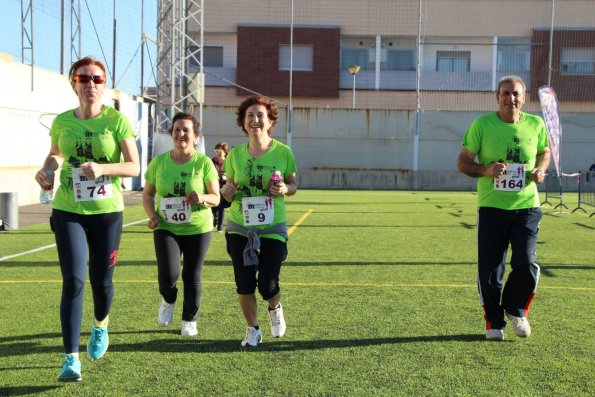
(551,116)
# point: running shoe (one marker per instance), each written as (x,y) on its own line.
(71,369)
(253,337)
(166,313)
(98,342)
(521,325)
(495,334)
(189,328)
(277,321)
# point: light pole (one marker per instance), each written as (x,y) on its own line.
(353,69)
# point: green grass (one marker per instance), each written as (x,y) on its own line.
(379,297)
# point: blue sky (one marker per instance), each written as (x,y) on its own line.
(97,18)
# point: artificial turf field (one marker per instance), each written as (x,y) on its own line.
(379,297)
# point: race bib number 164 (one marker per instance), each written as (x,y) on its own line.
(513,179)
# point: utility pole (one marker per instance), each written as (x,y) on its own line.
(114,53)
(62,30)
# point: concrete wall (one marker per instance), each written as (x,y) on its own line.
(373,149)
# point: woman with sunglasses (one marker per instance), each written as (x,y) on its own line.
(260,174)
(181,187)
(87,144)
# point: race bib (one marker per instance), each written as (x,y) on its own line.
(513,179)
(86,189)
(175,210)
(258,210)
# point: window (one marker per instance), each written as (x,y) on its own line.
(453,61)
(354,56)
(303,57)
(577,61)
(401,60)
(213,57)
(514,54)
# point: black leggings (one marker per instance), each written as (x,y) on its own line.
(74,232)
(168,249)
(272,254)
(218,215)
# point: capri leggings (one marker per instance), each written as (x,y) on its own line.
(168,249)
(74,233)
(266,276)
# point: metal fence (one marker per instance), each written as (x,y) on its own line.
(586,192)
(582,182)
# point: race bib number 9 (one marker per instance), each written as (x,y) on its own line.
(513,179)
(175,210)
(258,210)
(86,189)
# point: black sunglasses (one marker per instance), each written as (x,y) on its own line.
(85,78)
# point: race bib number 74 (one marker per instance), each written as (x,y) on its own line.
(86,189)
(513,179)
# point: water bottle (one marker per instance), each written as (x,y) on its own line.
(275,178)
(46,194)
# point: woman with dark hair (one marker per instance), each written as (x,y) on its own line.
(221,150)
(87,143)
(260,174)
(181,186)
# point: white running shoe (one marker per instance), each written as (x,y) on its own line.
(277,321)
(166,313)
(253,337)
(520,325)
(189,328)
(495,334)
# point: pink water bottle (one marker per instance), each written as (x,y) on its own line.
(275,179)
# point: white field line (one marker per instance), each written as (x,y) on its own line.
(5,258)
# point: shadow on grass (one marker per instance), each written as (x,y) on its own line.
(230,346)
(585,226)
(547,270)
(21,232)
(24,390)
(30,344)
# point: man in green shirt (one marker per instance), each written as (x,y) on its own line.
(511,148)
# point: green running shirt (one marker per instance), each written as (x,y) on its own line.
(495,140)
(178,180)
(92,140)
(253,175)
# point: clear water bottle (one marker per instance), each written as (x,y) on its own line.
(46,194)
(275,178)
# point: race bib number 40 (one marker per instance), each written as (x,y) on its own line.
(258,210)
(175,210)
(86,189)
(513,179)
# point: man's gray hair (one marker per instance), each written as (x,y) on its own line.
(512,80)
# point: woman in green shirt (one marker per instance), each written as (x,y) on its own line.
(88,143)
(181,186)
(260,174)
